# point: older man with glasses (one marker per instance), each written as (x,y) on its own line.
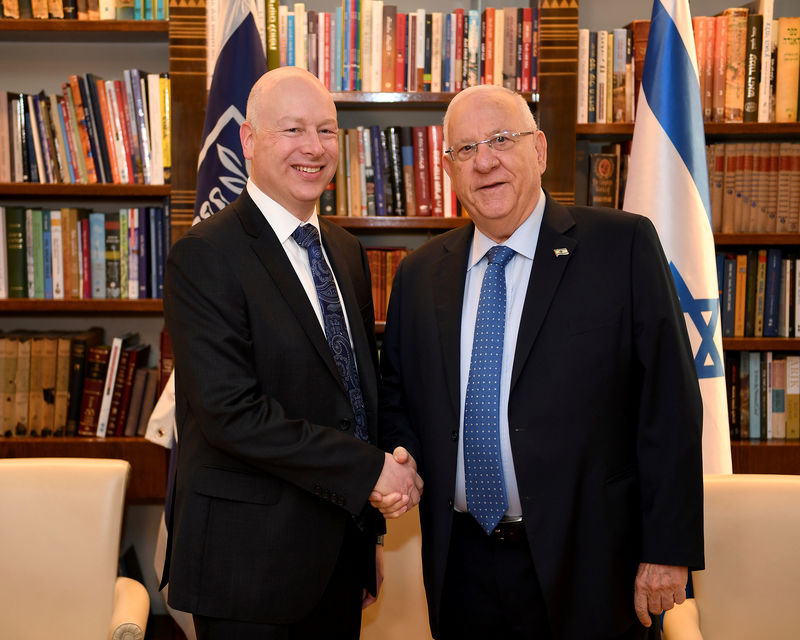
(536,368)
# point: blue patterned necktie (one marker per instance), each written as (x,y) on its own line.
(483,468)
(335,328)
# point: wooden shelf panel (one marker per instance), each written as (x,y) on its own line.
(83,307)
(401,100)
(149,462)
(398,223)
(61,190)
(756,238)
(761,344)
(753,456)
(712,129)
(84,30)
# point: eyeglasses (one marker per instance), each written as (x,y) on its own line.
(502,141)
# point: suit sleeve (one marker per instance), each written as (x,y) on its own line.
(206,314)
(395,422)
(670,412)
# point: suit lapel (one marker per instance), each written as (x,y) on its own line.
(271,254)
(449,277)
(546,273)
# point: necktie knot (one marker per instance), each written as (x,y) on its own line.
(500,255)
(306,235)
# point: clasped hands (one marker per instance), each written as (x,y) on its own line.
(399,486)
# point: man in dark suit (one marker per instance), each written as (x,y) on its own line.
(536,367)
(276,394)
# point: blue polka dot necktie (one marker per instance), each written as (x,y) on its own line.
(307,237)
(483,468)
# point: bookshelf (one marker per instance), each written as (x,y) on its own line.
(105,48)
(749,456)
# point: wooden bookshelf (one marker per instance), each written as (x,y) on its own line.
(61,191)
(84,30)
(398,223)
(148,306)
(772,456)
(766,239)
(149,462)
(712,130)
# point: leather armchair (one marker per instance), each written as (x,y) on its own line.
(60,525)
(751,584)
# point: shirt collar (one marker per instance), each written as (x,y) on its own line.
(282,221)
(522,241)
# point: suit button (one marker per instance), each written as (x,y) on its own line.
(450,504)
(454,436)
(317,490)
(344,425)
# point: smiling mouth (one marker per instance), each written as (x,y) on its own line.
(308,169)
(488,187)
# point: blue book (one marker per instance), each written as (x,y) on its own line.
(729,295)
(97,253)
(153,232)
(290,40)
(377,170)
(159,9)
(755,396)
(772,293)
(143,241)
(47,255)
(137,10)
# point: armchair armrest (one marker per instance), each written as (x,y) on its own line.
(131,608)
(682,622)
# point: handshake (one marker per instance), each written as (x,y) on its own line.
(399,486)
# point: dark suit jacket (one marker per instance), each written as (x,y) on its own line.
(604,412)
(268,471)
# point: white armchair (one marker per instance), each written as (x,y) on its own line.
(60,524)
(751,584)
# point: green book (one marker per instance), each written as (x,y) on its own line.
(36,241)
(16,256)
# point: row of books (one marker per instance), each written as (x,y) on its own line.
(368,45)
(763,395)
(396,171)
(755,186)
(95,131)
(70,383)
(383,263)
(747,67)
(759,293)
(85,9)
(70,254)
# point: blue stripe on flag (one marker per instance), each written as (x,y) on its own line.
(673,94)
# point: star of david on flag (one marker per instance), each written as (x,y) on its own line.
(668,183)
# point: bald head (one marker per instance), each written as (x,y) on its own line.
(486,93)
(262,98)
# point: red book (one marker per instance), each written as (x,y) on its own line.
(326,56)
(527,47)
(422,176)
(459,61)
(95,376)
(116,396)
(105,122)
(85,257)
(400,53)
(166,361)
(124,120)
(137,358)
(435,163)
(487,45)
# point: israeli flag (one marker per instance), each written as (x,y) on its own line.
(221,168)
(668,183)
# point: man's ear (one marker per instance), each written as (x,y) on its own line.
(246,135)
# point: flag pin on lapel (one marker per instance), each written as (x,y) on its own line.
(561,252)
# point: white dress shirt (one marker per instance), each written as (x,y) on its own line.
(518,273)
(284,223)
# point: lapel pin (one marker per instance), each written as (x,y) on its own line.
(561,252)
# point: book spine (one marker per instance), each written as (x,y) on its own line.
(96,366)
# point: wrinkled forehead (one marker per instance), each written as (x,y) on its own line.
(480,115)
